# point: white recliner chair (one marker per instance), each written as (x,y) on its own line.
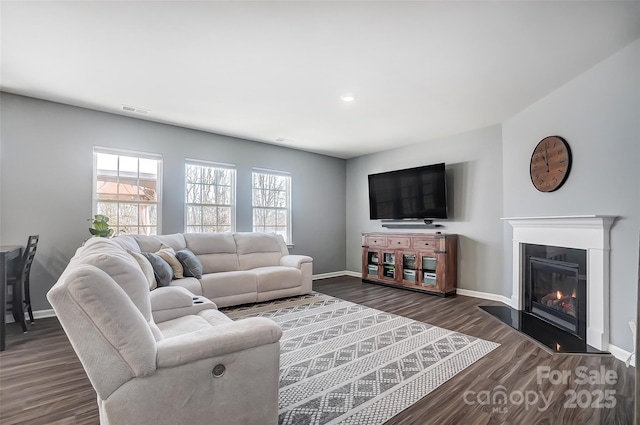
(187,364)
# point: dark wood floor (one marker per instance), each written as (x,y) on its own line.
(42,381)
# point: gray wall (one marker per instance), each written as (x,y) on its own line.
(46,169)
(598,114)
(474,176)
(46,181)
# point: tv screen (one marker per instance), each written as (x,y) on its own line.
(418,193)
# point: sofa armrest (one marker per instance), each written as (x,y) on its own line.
(295,260)
(217,341)
(166,297)
(171,302)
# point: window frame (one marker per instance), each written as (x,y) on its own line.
(129,153)
(288,175)
(211,164)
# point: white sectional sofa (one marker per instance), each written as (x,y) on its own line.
(238,268)
(166,356)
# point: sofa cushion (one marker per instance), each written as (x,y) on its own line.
(210,243)
(277,277)
(258,250)
(259,259)
(217,285)
(146,267)
(127,242)
(169,255)
(98,245)
(190,283)
(250,242)
(152,243)
(192,323)
(214,317)
(161,269)
(216,251)
(125,271)
(190,263)
(217,263)
(183,325)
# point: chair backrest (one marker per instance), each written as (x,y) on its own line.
(28,256)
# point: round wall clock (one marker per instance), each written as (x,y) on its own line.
(550,164)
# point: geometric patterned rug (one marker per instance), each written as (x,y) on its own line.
(344,363)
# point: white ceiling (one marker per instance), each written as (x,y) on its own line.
(269,70)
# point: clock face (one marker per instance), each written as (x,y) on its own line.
(550,164)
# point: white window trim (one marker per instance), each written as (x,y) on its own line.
(212,164)
(125,152)
(289,242)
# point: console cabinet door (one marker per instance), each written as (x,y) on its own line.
(409,261)
(371,264)
(429,271)
(389,265)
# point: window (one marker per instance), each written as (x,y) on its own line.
(210,200)
(127,190)
(272,203)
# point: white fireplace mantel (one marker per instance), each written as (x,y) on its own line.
(588,232)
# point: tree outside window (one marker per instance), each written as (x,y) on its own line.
(272,203)
(210,203)
(127,190)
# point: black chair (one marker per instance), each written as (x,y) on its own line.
(21,296)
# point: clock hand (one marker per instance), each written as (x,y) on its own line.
(546,160)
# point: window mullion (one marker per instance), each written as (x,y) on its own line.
(118,194)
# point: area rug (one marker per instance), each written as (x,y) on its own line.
(345,363)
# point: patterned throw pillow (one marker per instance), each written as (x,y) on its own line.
(161,269)
(169,255)
(192,266)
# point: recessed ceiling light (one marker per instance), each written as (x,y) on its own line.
(348,97)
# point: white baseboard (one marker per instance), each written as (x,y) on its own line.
(484,296)
(39,314)
(621,354)
(335,274)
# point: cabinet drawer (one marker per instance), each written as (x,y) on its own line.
(399,242)
(425,243)
(375,241)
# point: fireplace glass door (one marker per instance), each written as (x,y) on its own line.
(554,292)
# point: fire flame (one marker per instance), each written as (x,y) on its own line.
(559,294)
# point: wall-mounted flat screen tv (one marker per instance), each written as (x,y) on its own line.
(413,193)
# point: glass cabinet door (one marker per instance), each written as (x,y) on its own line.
(427,276)
(389,265)
(409,268)
(373,263)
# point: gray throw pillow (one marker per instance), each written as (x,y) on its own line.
(161,269)
(192,266)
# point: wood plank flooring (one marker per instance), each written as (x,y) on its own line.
(42,381)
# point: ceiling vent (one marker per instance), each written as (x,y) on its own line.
(135,110)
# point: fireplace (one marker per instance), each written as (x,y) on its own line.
(587,233)
(555,286)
